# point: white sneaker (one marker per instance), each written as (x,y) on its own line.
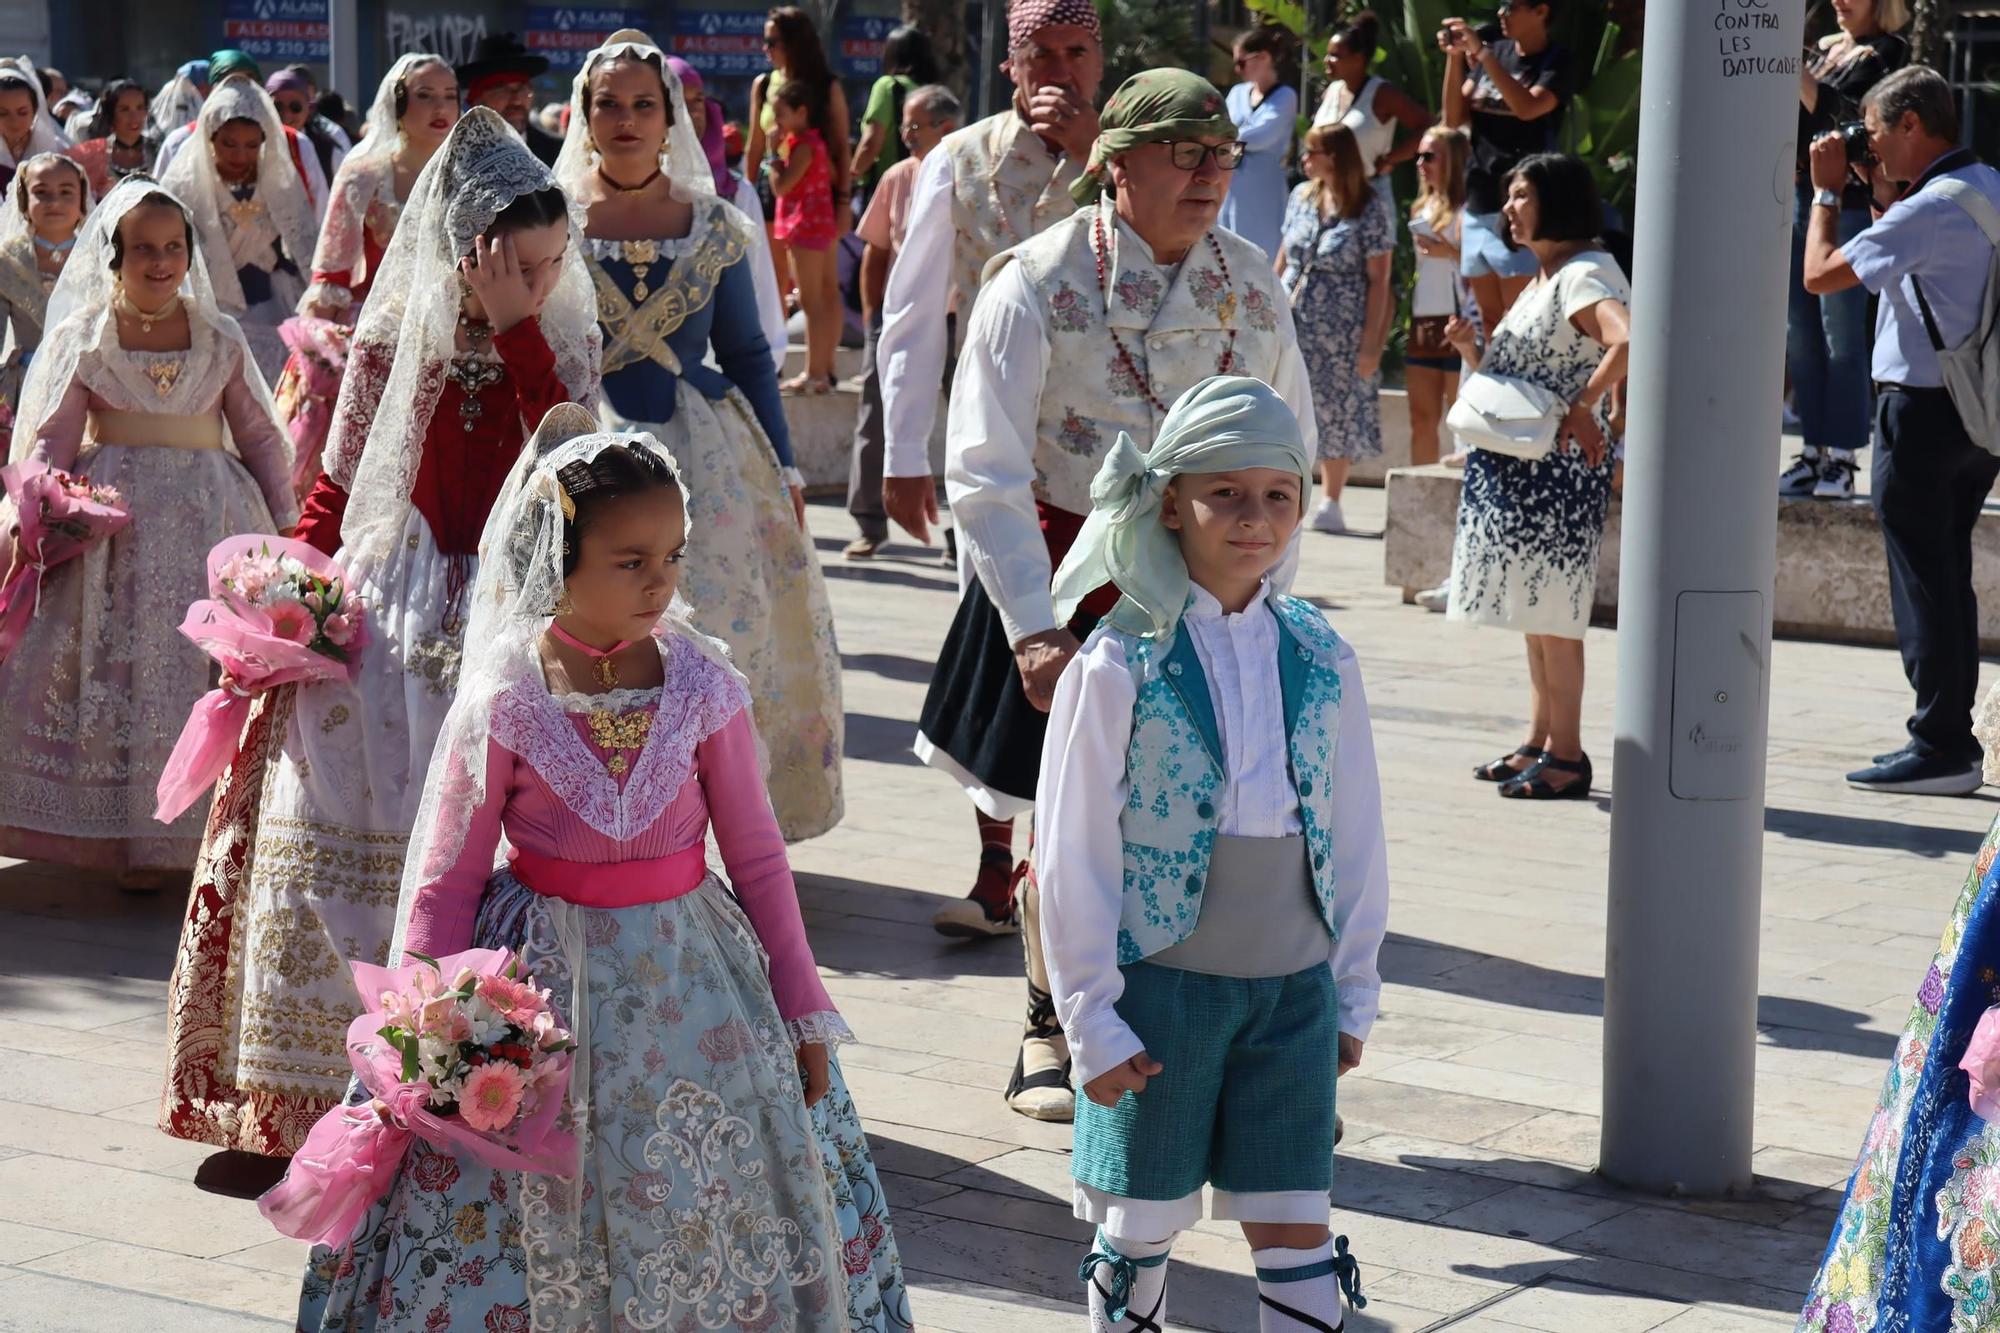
(1797,481)
(1326,517)
(1836,477)
(1435,599)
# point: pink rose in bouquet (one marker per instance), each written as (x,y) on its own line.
(59,517)
(278,612)
(446,1063)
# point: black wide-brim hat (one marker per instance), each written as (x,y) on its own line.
(501,53)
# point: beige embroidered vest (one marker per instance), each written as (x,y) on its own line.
(1006,187)
(1175,327)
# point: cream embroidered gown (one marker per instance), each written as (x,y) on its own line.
(95,695)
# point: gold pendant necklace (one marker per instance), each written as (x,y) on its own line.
(641,255)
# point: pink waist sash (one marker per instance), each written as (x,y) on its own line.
(611,883)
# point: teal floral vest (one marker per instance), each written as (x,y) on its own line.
(1174,765)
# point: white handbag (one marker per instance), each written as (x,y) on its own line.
(1503,415)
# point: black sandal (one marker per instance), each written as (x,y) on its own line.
(1500,770)
(1531,786)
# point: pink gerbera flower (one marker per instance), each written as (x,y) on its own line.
(291,620)
(492,1095)
(517,1001)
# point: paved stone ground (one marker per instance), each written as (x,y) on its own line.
(1466,1179)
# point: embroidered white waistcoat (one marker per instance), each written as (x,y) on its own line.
(1176,329)
(1174,774)
(1006,187)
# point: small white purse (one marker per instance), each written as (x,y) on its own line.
(1503,415)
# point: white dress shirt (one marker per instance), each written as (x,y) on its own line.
(996,398)
(912,346)
(1079,850)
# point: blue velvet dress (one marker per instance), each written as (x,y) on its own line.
(1917,1243)
(751,573)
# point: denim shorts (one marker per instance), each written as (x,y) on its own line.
(1483,249)
(1245,1101)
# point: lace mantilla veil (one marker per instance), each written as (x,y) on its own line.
(177,103)
(14,222)
(80,316)
(194,180)
(682,160)
(340,240)
(408,329)
(47,136)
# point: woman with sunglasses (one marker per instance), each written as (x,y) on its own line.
(293,97)
(1264,107)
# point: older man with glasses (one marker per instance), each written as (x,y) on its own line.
(501,75)
(1080,336)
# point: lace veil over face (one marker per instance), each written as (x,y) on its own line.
(280,191)
(46,137)
(407,333)
(80,315)
(177,103)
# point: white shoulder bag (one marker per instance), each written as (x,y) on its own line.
(1504,415)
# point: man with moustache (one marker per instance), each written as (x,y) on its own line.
(1085,332)
(501,75)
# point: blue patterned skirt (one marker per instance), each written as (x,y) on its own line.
(1525,554)
(711,1197)
(1917,1243)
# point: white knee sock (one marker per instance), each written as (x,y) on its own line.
(1298,1291)
(1126,1281)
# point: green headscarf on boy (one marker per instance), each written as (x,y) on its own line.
(1226,423)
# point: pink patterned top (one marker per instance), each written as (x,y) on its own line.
(550,787)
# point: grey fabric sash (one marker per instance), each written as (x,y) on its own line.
(1259,914)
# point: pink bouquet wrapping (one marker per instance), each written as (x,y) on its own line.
(277,612)
(459,1051)
(60,516)
(307,388)
(1982,1065)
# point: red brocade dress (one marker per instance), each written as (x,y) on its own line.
(302,857)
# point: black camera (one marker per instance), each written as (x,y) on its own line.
(1854,138)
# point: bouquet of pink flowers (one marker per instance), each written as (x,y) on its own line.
(277,612)
(306,390)
(463,1052)
(59,515)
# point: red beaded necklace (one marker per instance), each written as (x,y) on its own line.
(1224,364)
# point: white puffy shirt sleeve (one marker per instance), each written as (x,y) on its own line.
(910,351)
(1361,858)
(989,474)
(1080,855)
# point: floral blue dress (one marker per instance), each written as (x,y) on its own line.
(1917,1244)
(1326,272)
(1529,530)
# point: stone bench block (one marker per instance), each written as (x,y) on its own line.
(1832,582)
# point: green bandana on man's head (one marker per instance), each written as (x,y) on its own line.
(1156,105)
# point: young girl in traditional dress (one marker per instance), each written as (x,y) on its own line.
(252,213)
(674,282)
(604,738)
(481,321)
(1214,882)
(146,386)
(39,221)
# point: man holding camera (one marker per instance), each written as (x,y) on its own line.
(1926,257)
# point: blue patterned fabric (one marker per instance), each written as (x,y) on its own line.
(714,1199)
(1326,268)
(1917,1242)
(1245,1101)
(1173,769)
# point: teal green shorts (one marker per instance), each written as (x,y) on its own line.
(1245,1102)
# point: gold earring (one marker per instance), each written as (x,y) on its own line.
(563,605)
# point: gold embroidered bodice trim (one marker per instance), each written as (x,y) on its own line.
(634,333)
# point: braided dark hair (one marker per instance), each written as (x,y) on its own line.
(592,484)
